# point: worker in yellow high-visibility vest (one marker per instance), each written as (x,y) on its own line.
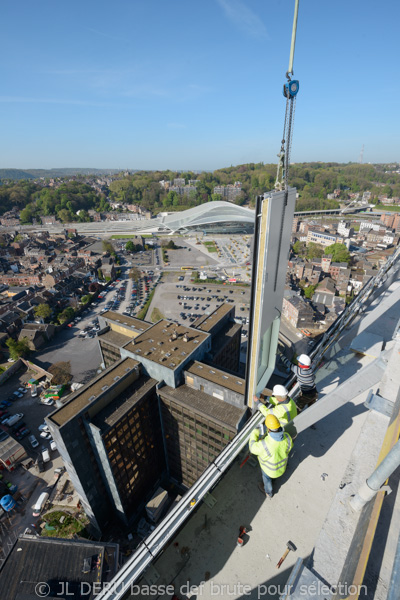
(279,404)
(272,452)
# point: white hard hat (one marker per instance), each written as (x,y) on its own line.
(305,360)
(280,390)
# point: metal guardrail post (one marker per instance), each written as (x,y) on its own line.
(375,482)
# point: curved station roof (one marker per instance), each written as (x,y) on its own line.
(218,217)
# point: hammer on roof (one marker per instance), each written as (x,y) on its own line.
(290,546)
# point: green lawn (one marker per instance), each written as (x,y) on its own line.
(393,208)
(156,315)
(211,247)
(123,237)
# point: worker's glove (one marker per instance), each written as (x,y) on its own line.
(263,429)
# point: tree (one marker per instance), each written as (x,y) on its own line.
(66,315)
(108,247)
(216,197)
(18,348)
(297,247)
(314,251)
(42,311)
(134,274)
(86,299)
(130,246)
(27,214)
(339,253)
(61,372)
(309,291)
(387,191)
(65,215)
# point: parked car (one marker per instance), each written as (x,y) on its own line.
(46,435)
(45,454)
(48,401)
(53,445)
(33,441)
(43,427)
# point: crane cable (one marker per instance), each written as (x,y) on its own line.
(290,90)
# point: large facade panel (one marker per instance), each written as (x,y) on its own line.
(274,218)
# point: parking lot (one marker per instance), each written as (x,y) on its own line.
(190,255)
(183,301)
(33,412)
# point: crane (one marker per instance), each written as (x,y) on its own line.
(290,90)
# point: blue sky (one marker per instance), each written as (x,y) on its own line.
(190,84)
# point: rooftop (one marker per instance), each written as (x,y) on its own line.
(231,382)
(207,322)
(86,394)
(164,343)
(131,322)
(54,562)
(113,337)
(209,407)
(109,415)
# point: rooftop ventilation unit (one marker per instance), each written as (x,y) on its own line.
(104,388)
(92,398)
(117,377)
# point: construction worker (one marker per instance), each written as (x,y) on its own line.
(279,404)
(305,376)
(272,452)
